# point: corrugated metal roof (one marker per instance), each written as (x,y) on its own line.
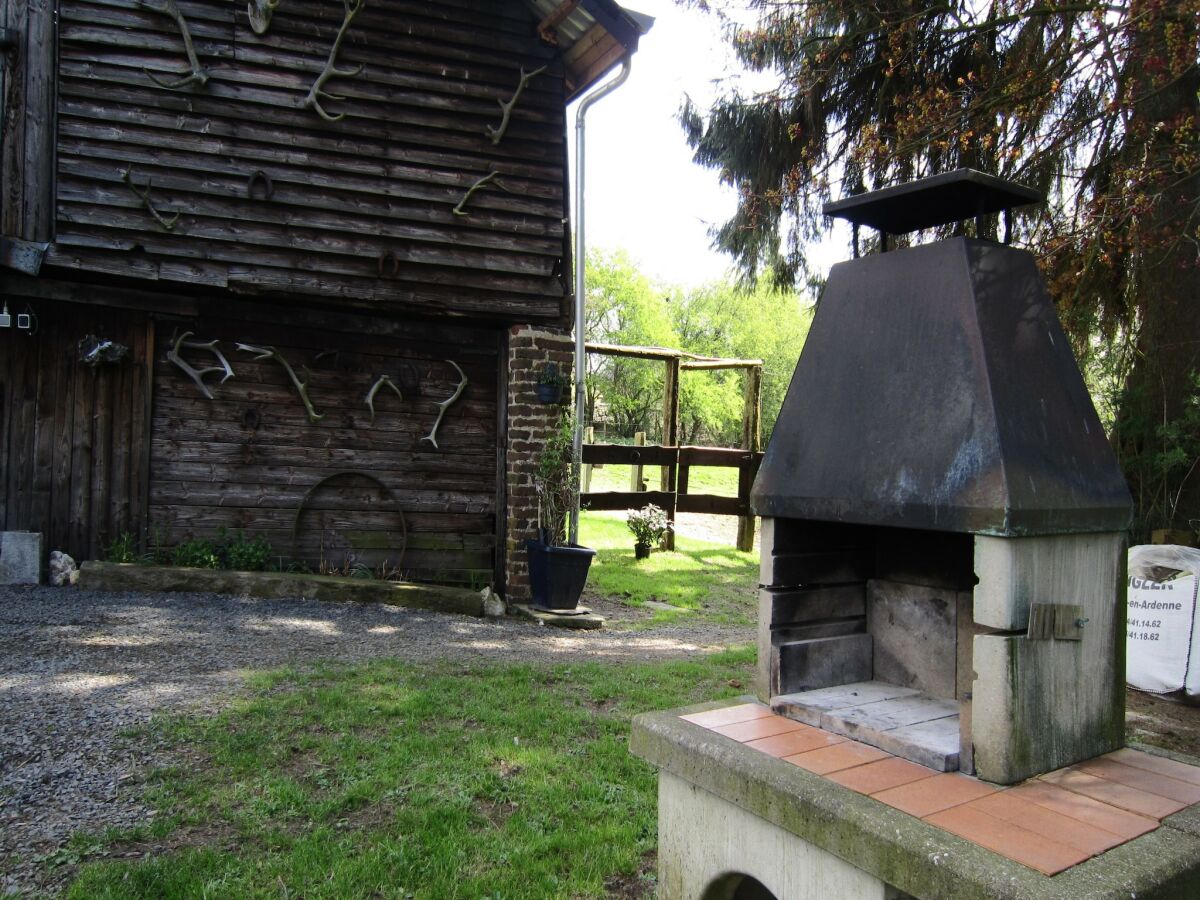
(593,35)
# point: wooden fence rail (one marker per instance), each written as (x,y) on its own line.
(678,462)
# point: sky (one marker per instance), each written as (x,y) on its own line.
(644,193)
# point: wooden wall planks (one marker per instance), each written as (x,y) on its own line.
(70,434)
(384,179)
(250,458)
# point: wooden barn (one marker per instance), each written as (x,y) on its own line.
(289,267)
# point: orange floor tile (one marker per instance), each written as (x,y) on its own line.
(1049,823)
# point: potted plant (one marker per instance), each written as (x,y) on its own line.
(557,570)
(649,526)
(551,384)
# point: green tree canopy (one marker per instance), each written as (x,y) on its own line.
(1096,103)
(723,320)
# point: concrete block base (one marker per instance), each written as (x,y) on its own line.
(714,849)
(737,823)
(20,557)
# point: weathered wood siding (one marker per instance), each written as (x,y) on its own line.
(383,180)
(251,458)
(27,123)
(73,439)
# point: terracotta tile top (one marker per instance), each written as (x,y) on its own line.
(838,757)
(1120,822)
(1049,823)
(791,742)
(1142,780)
(879,776)
(754,729)
(1159,764)
(930,795)
(1114,794)
(729,715)
(1018,844)
(1081,835)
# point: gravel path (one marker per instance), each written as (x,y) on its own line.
(78,669)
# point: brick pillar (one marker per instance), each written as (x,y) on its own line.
(529,423)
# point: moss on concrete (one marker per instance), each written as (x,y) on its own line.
(102,576)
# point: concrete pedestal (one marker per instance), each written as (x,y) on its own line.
(20,557)
(737,823)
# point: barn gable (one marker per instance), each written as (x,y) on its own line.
(315,229)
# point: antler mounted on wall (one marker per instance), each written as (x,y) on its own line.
(461,208)
(446,404)
(301,386)
(317,92)
(197,375)
(143,194)
(497,134)
(198,77)
(260,12)
(381,381)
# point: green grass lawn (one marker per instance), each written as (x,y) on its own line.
(718,583)
(390,780)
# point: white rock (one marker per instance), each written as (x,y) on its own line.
(493,604)
(62,569)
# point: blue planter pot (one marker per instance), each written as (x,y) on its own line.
(557,574)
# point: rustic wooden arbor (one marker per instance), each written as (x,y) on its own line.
(676,461)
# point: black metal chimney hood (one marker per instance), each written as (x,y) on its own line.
(937,389)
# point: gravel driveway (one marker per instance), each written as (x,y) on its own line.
(78,669)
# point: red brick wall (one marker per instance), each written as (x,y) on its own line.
(529,422)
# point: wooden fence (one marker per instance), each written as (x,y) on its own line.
(676,463)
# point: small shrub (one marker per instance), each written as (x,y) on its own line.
(123,550)
(649,524)
(242,554)
(197,553)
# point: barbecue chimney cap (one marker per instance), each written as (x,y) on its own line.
(937,200)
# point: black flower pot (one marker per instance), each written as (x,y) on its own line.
(557,574)
(641,551)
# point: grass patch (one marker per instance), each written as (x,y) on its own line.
(721,480)
(384,779)
(717,582)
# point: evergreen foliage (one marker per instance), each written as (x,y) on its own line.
(1095,103)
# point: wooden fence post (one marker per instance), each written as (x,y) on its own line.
(670,438)
(752,441)
(635,471)
(585,471)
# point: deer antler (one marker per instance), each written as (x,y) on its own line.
(317,91)
(497,134)
(301,386)
(144,195)
(199,75)
(260,12)
(380,382)
(446,404)
(197,375)
(487,179)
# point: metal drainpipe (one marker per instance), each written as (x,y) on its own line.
(580,285)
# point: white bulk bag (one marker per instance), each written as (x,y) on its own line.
(1162,656)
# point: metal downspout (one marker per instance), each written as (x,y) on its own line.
(580,283)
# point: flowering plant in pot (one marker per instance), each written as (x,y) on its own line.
(551,384)
(557,570)
(649,526)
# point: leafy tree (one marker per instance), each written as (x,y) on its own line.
(624,307)
(1096,102)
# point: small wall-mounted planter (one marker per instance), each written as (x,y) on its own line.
(551,393)
(551,386)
